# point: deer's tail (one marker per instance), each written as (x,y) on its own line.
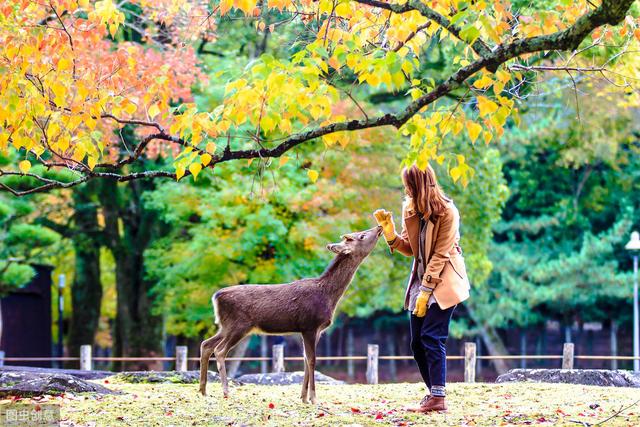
(214,302)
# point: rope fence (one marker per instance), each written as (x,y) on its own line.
(278,359)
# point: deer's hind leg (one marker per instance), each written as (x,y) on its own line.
(221,351)
(206,350)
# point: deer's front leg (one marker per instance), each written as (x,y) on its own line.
(305,380)
(305,383)
(308,385)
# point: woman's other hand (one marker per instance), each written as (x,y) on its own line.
(384,219)
(422,303)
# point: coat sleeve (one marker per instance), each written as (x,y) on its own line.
(401,241)
(444,243)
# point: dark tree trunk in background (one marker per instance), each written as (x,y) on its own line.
(239,350)
(86,288)
(129,229)
(493,342)
(613,343)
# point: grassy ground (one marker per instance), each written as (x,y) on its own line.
(380,405)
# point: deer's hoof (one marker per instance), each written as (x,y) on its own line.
(203,391)
(304,399)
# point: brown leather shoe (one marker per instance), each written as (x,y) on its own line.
(435,404)
(421,406)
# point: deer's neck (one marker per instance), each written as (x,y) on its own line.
(338,275)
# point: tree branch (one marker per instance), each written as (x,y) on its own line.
(609,12)
(478,46)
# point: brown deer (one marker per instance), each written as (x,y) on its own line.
(305,306)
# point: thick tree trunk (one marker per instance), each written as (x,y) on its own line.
(86,289)
(493,342)
(238,351)
(128,226)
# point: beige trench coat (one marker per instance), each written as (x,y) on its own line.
(445,261)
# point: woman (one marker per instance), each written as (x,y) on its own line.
(438,280)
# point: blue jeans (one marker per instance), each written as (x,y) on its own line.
(428,343)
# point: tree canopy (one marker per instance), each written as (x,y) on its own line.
(74,73)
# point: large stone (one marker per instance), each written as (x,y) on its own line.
(284,378)
(600,377)
(186,377)
(85,375)
(29,384)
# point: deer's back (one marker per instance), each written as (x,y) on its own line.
(275,309)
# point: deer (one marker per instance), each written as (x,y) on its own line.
(304,307)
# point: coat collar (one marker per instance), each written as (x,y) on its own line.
(412,225)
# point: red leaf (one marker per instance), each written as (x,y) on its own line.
(169,413)
(271,406)
(320,414)
(355,410)
(106,381)
(379,416)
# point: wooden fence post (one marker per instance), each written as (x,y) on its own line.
(181,358)
(469,362)
(277,358)
(85,358)
(372,363)
(263,353)
(567,355)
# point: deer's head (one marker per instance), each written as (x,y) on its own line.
(359,244)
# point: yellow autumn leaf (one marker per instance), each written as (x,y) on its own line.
(474,130)
(130,108)
(373,79)
(64,64)
(154,110)
(195,169)
(482,82)
(225,6)
(487,137)
(267,124)
(455,173)
(211,147)
(205,159)
(179,172)
(503,76)
(283,161)
(24,166)
(60,92)
(313,175)
(486,106)
(246,6)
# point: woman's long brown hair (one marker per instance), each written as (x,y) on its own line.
(424,195)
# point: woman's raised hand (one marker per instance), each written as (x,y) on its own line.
(384,219)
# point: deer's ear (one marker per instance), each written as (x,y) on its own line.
(339,248)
